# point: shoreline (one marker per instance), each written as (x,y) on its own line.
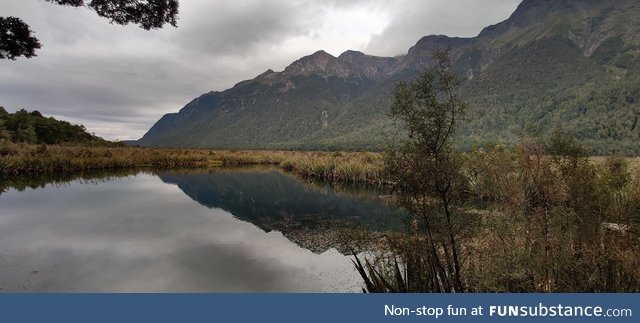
(347,167)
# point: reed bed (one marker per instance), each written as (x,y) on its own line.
(21,159)
(353,167)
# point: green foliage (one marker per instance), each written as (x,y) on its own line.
(536,88)
(483,166)
(609,49)
(560,229)
(541,69)
(550,84)
(16,39)
(347,167)
(560,222)
(426,176)
(616,175)
(33,128)
(149,14)
(565,152)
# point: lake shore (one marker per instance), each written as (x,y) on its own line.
(336,166)
(23,159)
(542,216)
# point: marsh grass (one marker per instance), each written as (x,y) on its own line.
(550,223)
(353,167)
(21,159)
(542,227)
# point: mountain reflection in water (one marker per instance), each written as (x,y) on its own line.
(273,200)
(136,233)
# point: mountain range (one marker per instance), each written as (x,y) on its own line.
(572,65)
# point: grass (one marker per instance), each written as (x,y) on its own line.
(633,163)
(23,159)
(541,230)
(348,167)
(354,167)
(545,224)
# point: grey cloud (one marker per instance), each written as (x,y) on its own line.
(412,20)
(118,80)
(232,29)
(96,87)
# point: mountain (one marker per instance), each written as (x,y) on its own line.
(569,64)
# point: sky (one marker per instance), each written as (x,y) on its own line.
(119,80)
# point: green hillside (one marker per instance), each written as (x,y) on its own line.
(33,128)
(554,64)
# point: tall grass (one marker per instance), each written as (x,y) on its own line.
(549,224)
(20,159)
(362,167)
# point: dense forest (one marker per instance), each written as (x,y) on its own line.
(568,65)
(33,128)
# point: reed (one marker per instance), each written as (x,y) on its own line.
(21,159)
(529,222)
(352,167)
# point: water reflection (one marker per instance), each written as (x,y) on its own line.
(136,233)
(308,213)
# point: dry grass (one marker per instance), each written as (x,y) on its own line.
(19,159)
(634,162)
(360,167)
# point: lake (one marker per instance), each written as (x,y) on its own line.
(222,230)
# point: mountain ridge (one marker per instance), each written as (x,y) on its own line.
(533,70)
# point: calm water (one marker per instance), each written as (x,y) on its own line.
(243,230)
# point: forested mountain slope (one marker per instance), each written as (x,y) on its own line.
(569,64)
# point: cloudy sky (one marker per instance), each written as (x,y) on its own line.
(119,80)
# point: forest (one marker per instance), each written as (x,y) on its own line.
(33,128)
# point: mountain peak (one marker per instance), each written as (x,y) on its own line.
(351,54)
(321,53)
(351,63)
(586,23)
(317,62)
(265,74)
(547,51)
(429,44)
(319,59)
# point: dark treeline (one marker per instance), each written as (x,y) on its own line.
(33,128)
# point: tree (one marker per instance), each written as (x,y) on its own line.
(5,135)
(16,39)
(26,133)
(426,172)
(566,154)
